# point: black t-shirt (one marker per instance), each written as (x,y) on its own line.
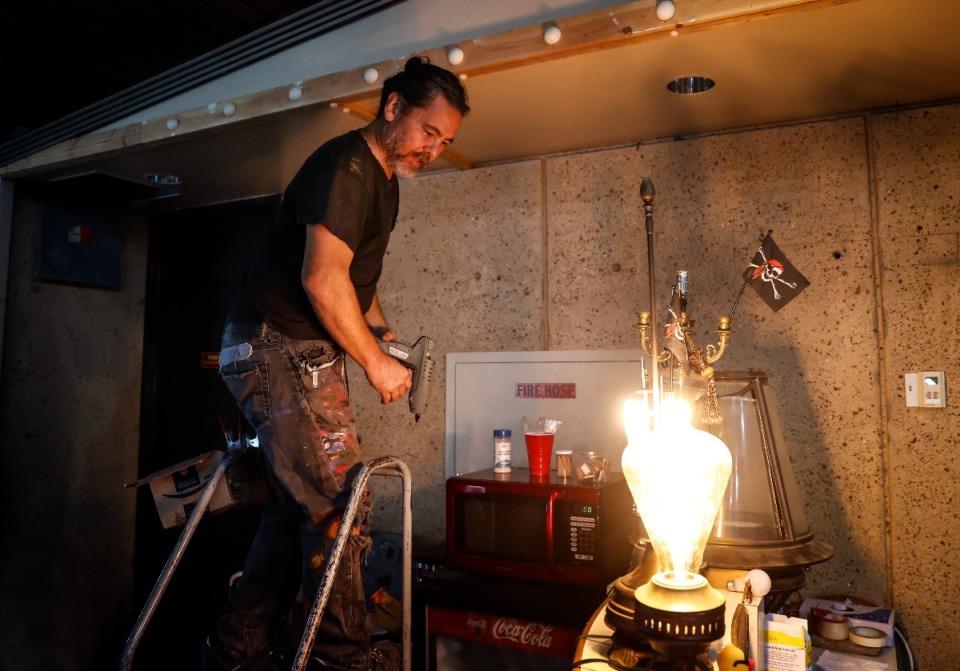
(342,186)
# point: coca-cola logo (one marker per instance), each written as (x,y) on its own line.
(476,622)
(527,633)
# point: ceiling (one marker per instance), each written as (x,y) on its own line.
(91,50)
(812,60)
(63,57)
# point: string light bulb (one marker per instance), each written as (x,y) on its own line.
(370,75)
(551,33)
(295,93)
(454,55)
(665,9)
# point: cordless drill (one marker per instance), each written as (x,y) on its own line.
(419,358)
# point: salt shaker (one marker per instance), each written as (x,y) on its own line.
(501,450)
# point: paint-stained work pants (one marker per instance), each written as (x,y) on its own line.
(294,394)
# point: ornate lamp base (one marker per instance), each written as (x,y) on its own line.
(622,601)
(633,652)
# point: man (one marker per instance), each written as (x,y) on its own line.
(309,297)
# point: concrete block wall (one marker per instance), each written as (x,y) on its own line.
(551,254)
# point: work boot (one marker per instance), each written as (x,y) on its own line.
(385,656)
(215,657)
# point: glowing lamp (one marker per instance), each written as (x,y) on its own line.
(677,475)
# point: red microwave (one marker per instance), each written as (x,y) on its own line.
(552,530)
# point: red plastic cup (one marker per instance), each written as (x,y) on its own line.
(539,452)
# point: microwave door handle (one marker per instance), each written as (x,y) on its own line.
(551,528)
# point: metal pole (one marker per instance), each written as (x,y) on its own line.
(647,193)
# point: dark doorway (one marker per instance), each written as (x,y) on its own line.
(195,261)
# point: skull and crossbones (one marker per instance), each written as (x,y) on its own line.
(675,327)
(770,271)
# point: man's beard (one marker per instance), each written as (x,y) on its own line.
(395,159)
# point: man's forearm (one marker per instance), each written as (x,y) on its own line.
(325,276)
(335,304)
(377,321)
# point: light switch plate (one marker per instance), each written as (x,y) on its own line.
(911,390)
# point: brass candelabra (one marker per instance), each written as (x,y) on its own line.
(712,353)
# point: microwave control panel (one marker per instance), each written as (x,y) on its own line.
(576,539)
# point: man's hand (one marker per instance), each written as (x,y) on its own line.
(389,391)
(389,377)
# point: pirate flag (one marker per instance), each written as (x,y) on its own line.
(772,276)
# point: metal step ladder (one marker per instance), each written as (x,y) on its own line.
(343,535)
(389,465)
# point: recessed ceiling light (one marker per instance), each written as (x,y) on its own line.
(163,179)
(693,84)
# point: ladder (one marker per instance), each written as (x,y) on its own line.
(390,465)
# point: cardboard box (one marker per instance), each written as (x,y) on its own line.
(786,643)
(177,489)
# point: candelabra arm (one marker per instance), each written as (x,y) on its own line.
(643,330)
(714,352)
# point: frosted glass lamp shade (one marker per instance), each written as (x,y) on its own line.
(677,475)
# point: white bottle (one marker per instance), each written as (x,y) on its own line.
(501,450)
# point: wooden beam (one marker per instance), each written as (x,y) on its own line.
(604,29)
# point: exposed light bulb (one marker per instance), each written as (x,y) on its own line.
(455,55)
(229,109)
(295,93)
(370,75)
(551,33)
(173,124)
(665,9)
(759,580)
